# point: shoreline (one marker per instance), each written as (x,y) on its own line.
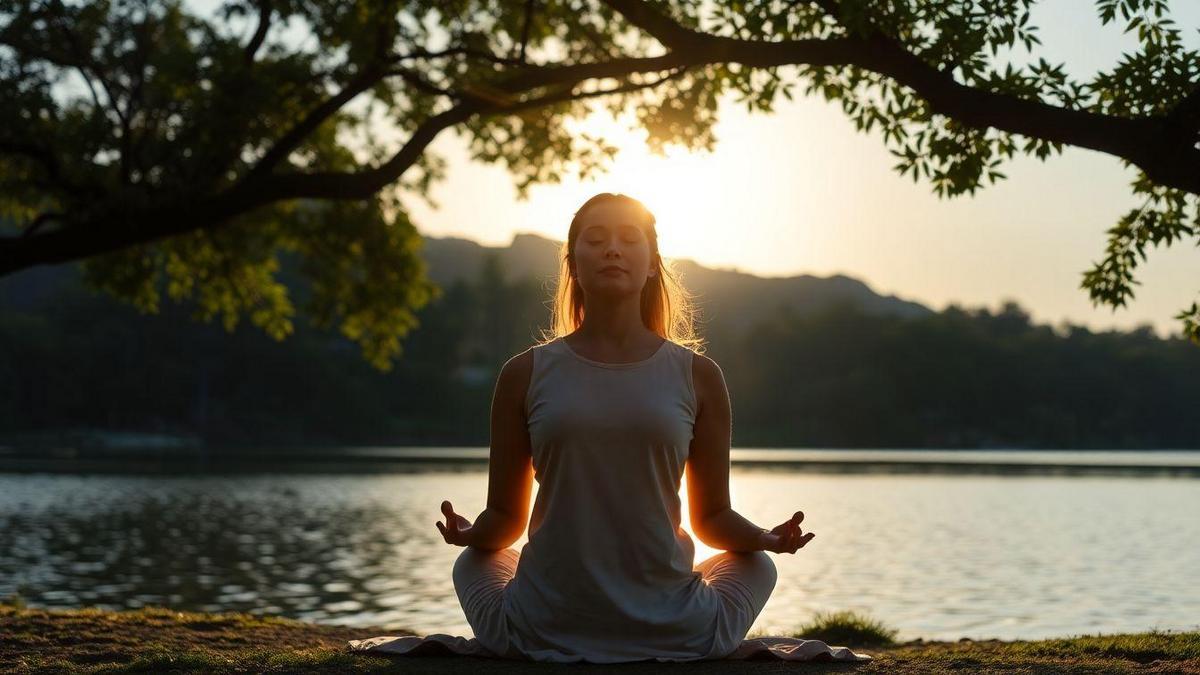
(34,640)
(388,460)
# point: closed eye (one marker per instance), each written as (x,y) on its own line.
(629,233)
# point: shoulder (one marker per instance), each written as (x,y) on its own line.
(513,380)
(707,378)
(704,368)
(518,366)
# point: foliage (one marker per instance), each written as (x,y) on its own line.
(955,379)
(174,150)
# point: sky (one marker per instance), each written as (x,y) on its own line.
(800,191)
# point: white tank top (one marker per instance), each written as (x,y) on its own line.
(606,575)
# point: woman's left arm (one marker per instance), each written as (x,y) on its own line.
(714,521)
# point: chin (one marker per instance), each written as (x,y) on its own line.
(615,289)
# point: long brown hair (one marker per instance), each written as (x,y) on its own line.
(667,307)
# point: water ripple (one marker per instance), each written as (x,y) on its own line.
(937,556)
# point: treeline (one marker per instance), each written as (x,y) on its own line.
(960,379)
(76,362)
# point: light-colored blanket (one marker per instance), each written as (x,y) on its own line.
(780,648)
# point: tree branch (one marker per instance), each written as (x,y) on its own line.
(597,41)
(663,28)
(1146,142)
(292,139)
(525,28)
(260,35)
(363,184)
(417,81)
(1187,113)
(458,51)
(119,230)
(39,221)
(1150,142)
(83,57)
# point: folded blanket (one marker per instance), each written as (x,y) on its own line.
(440,644)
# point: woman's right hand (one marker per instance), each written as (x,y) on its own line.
(457,529)
(786,537)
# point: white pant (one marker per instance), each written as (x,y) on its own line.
(744,581)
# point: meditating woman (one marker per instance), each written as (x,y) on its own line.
(608,414)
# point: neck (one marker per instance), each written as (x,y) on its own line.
(616,321)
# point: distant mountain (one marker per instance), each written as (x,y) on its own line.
(725,297)
(728,299)
(453,259)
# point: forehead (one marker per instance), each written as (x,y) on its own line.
(612,214)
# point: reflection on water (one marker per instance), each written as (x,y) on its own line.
(937,556)
(342,550)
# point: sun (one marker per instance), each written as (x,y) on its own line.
(677,187)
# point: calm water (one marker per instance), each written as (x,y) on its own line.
(939,556)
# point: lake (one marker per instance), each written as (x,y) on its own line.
(940,554)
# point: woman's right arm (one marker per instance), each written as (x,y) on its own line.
(510,463)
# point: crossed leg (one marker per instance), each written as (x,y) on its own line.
(743,580)
(479,580)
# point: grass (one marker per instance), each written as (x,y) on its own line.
(156,640)
(849,629)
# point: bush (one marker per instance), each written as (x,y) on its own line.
(847,629)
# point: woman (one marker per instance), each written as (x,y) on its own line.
(608,414)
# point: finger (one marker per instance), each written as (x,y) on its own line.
(801,539)
(441,528)
(784,527)
(447,509)
(798,517)
(783,542)
(806,538)
(794,539)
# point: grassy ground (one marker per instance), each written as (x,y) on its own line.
(161,640)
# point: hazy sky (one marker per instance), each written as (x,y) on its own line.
(800,191)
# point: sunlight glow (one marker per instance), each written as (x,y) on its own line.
(669,185)
(703,551)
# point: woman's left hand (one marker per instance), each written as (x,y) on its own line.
(786,537)
(457,529)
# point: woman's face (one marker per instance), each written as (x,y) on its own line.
(611,235)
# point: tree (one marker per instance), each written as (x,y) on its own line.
(175,153)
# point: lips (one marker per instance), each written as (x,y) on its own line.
(611,268)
